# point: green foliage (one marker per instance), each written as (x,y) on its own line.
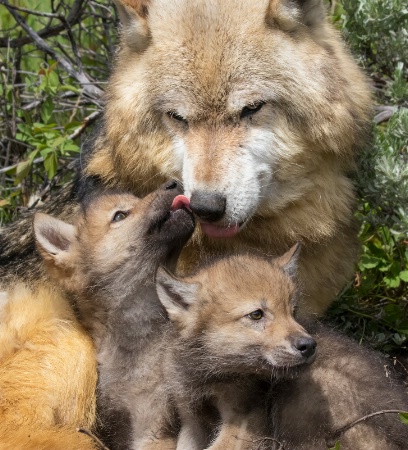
(404,417)
(377,31)
(44,107)
(374,308)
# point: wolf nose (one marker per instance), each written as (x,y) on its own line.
(306,346)
(208,206)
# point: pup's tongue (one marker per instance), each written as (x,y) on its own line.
(219,232)
(180,201)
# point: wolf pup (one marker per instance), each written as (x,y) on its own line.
(107,263)
(234,333)
(347,382)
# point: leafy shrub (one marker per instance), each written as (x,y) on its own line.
(374,308)
(44,105)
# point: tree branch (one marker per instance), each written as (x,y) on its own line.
(88,88)
(331,440)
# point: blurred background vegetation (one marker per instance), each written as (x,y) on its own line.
(55,58)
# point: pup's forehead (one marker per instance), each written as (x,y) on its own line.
(250,278)
(109,201)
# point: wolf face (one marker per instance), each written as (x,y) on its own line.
(240,91)
(236,316)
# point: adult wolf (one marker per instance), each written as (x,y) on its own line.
(258,109)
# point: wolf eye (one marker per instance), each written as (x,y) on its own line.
(173,115)
(256,315)
(120,215)
(249,110)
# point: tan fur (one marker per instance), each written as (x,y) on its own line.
(206,69)
(45,394)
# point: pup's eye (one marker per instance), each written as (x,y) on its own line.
(249,110)
(256,315)
(120,215)
(173,115)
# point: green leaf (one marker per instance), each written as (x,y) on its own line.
(51,164)
(68,87)
(337,446)
(369,262)
(58,141)
(4,202)
(22,170)
(32,155)
(71,147)
(404,275)
(47,109)
(392,282)
(404,417)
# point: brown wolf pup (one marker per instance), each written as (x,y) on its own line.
(235,332)
(345,383)
(107,264)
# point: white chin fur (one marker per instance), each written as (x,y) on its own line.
(243,176)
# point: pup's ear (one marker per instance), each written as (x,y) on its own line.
(175,295)
(133,15)
(289,261)
(54,239)
(289,14)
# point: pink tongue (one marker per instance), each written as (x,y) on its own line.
(219,232)
(179,202)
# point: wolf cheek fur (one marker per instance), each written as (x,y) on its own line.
(107,263)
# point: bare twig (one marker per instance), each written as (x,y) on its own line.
(85,123)
(95,438)
(384,113)
(73,17)
(35,13)
(331,440)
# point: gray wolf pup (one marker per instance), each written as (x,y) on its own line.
(234,333)
(106,263)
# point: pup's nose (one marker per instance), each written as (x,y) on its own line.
(306,346)
(208,206)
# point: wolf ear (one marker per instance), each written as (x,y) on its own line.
(175,295)
(54,239)
(288,14)
(289,261)
(133,16)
